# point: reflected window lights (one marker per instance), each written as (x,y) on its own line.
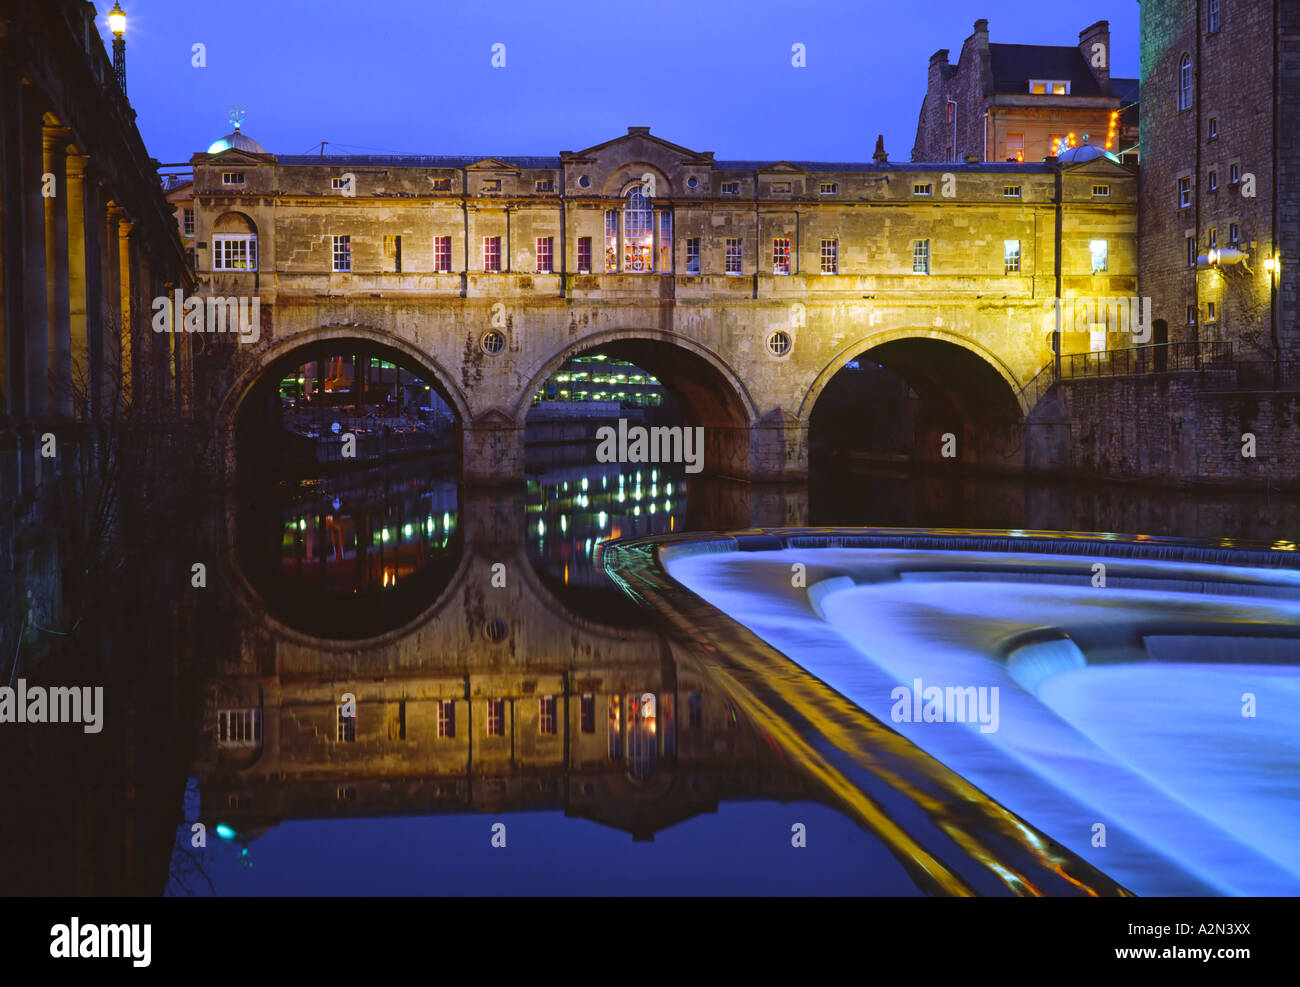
(496,717)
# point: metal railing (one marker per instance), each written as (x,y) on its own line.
(1154,358)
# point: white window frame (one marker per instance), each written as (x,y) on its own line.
(187,221)
(830,255)
(495,243)
(692,255)
(239,727)
(1184,192)
(547,716)
(494,716)
(337,241)
(438,243)
(737,254)
(1010,257)
(1012,191)
(923,188)
(830,188)
(780,255)
(1185,82)
(1104,253)
(545,246)
(1101,191)
(446,718)
(921,256)
(221,255)
(1049,87)
(730,188)
(232,178)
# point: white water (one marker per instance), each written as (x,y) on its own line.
(1195,797)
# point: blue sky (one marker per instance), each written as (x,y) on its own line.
(415,76)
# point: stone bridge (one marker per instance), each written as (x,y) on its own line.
(743,286)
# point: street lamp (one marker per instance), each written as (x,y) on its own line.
(117,24)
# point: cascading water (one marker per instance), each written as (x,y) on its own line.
(1149,720)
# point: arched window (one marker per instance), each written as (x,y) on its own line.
(234,243)
(1185,83)
(638,232)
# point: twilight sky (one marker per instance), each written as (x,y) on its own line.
(415,76)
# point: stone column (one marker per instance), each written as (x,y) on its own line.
(54,180)
(125,306)
(492,450)
(79,260)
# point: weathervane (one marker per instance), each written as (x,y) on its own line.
(236,116)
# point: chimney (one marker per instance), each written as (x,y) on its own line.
(1094,45)
(880,157)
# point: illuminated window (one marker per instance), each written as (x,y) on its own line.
(1185,83)
(234,252)
(496,717)
(1015,147)
(442,254)
(491,253)
(1049,87)
(781,255)
(920,256)
(735,255)
(1011,256)
(611,240)
(615,726)
(347,731)
(638,233)
(584,255)
(693,255)
(546,714)
(446,718)
(831,256)
(545,247)
(239,727)
(1099,259)
(666,242)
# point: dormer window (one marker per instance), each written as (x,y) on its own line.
(232,178)
(1049,87)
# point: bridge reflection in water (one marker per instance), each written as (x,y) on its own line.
(499,676)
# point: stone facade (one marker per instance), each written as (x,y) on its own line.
(706,333)
(1225,135)
(985,106)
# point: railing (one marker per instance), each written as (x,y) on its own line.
(1155,358)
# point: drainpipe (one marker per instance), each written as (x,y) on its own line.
(1056,334)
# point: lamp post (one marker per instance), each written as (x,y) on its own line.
(117,24)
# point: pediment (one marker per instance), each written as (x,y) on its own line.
(636,142)
(783,168)
(491,164)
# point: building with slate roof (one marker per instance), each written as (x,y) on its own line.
(1005,102)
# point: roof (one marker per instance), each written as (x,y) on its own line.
(994,166)
(238,141)
(1015,65)
(414,160)
(1125,89)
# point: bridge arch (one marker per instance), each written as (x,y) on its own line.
(925,386)
(700,378)
(870,342)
